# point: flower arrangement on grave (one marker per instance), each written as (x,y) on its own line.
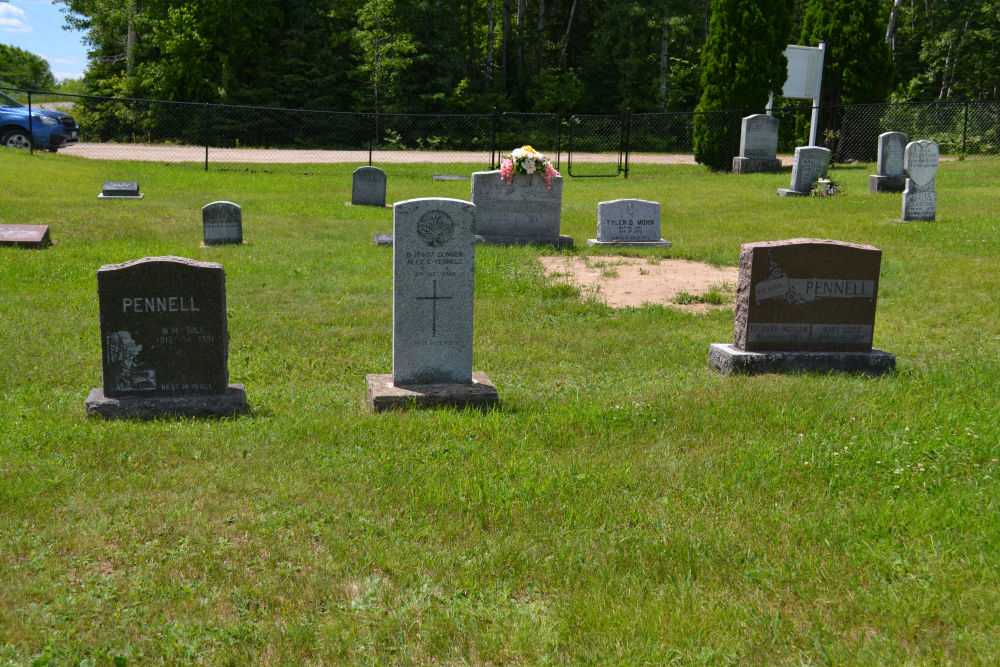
(526,160)
(824,187)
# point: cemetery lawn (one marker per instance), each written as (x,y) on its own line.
(624,505)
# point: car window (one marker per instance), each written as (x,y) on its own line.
(8,101)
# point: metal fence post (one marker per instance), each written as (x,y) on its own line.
(206,137)
(493,137)
(965,126)
(372,129)
(31,128)
(628,137)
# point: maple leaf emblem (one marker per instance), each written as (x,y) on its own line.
(435,228)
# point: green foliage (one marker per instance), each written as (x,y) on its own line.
(22,69)
(741,63)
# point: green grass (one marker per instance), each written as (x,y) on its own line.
(624,505)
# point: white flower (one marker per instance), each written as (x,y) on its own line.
(518,154)
(529,166)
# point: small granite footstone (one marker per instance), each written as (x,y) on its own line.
(920,160)
(222,223)
(120,190)
(889,176)
(810,163)
(164,340)
(383,240)
(728,359)
(758,145)
(383,395)
(25,236)
(368,187)
(628,222)
(524,211)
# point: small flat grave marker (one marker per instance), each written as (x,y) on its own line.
(889,176)
(805,304)
(628,222)
(524,211)
(432,296)
(25,236)
(758,145)
(368,187)
(920,160)
(222,223)
(448,177)
(811,162)
(164,340)
(120,190)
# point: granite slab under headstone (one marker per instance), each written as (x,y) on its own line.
(524,211)
(628,222)
(222,223)
(889,176)
(810,163)
(25,236)
(120,190)
(164,341)
(368,187)
(805,304)
(758,145)
(432,309)
(920,161)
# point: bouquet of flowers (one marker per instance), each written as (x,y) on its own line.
(824,187)
(526,160)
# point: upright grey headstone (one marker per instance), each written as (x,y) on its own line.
(920,160)
(811,162)
(434,251)
(165,340)
(520,212)
(889,176)
(120,190)
(222,222)
(368,188)
(758,145)
(630,222)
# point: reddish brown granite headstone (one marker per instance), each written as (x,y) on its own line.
(806,294)
(25,236)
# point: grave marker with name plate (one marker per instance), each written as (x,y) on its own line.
(758,145)
(368,187)
(222,223)
(432,295)
(120,190)
(164,340)
(805,304)
(25,236)
(523,211)
(889,176)
(628,222)
(920,160)
(811,162)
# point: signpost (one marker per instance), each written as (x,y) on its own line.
(805,78)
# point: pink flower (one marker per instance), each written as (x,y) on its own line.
(550,171)
(507,171)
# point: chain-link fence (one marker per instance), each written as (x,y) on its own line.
(595,145)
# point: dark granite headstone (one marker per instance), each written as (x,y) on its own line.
(120,190)
(164,339)
(805,304)
(222,222)
(25,236)
(368,187)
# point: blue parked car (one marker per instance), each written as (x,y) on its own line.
(50,129)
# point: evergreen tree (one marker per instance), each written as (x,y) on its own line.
(742,62)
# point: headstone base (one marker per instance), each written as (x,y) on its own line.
(786,192)
(383,240)
(232,402)
(662,243)
(104,196)
(561,241)
(729,360)
(347,203)
(747,165)
(878,183)
(222,243)
(382,395)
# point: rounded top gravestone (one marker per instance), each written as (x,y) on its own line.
(920,160)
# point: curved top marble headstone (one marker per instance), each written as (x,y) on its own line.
(920,160)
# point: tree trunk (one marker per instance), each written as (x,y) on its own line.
(540,37)
(520,42)
(565,39)
(664,59)
(506,41)
(490,37)
(890,31)
(130,39)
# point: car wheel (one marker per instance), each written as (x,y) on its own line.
(16,138)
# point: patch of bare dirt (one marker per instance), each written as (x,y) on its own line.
(633,281)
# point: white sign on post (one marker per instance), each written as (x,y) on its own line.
(805,79)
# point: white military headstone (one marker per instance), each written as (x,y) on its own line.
(920,160)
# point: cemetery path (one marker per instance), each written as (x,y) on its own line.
(173,153)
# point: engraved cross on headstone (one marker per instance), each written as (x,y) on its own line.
(433,299)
